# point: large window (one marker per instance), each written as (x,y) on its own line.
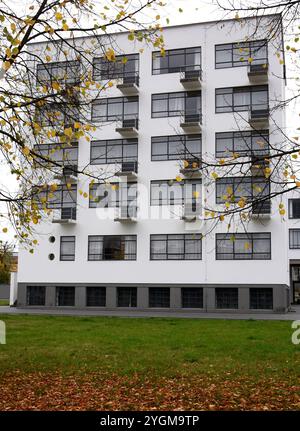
(57,114)
(113,195)
(112,247)
(67,248)
(115,108)
(226,297)
(294,238)
(176,104)
(294,208)
(192,297)
(66,154)
(243,246)
(95,296)
(65,296)
(36,295)
(242,143)
(127,296)
(114,151)
(176,247)
(177,147)
(170,192)
(68,71)
(62,196)
(261,298)
(232,189)
(159,297)
(176,60)
(242,98)
(123,66)
(239,53)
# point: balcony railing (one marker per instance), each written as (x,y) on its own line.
(191,78)
(128,127)
(191,120)
(64,215)
(190,166)
(258,72)
(261,208)
(259,116)
(126,213)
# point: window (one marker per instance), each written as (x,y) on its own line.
(176,60)
(294,208)
(57,114)
(115,108)
(123,66)
(176,247)
(95,296)
(226,297)
(67,248)
(159,297)
(175,147)
(242,143)
(65,296)
(170,192)
(294,238)
(114,151)
(113,195)
(192,297)
(127,296)
(66,154)
(112,247)
(261,298)
(62,197)
(239,246)
(238,54)
(36,295)
(234,188)
(175,104)
(242,98)
(68,71)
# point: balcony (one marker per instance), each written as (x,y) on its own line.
(65,215)
(191,212)
(259,117)
(67,174)
(129,85)
(190,167)
(258,166)
(128,128)
(191,121)
(191,79)
(126,214)
(258,73)
(128,170)
(261,209)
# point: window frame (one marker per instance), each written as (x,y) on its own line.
(240,181)
(291,232)
(233,292)
(166,290)
(67,239)
(291,211)
(257,299)
(40,298)
(190,289)
(88,300)
(130,188)
(73,296)
(56,65)
(107,143)
(49,147)
(193,200)
(250,256)
(172,52)
(168,97)
(234,45)
(253,134)
(110,101)
(132,294)
(236,90)
(135,58)
(170,237)
(182,140)
(124,238)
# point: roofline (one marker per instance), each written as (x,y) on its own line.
(84,36)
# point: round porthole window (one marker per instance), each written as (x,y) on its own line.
(52,239)
(51,256)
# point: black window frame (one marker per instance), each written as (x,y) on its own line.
(56,146)
(131,291)
(187,302)
(184,198)
(67,65)
(171,95)
(294,245)
(236,182)
(94,300)
(261,293)
(175,237)
(60,192)
(57,114)
(291,209)
(182,140)
(250,237)
(68,294)
(236,90)
(159,292)
(116,74)
(38,298)
(173,52)
(70,256)
(253,134)
(115,198)
(123,239)
(115,117)
(227,294)
(247,45)
(106,143)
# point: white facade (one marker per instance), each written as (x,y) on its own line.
(37,269)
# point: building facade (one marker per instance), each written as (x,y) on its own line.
(155,251)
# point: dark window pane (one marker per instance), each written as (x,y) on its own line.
(226,297)
(36,295)
(95,296)
(261,298)
(192,297)
(65,296)
(127,296)
(159,297)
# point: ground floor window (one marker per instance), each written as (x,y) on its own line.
(36,295)
(261,298)
(226,297)
(192,297)
(95,296)
(127,296)
(65,296)
(159,297)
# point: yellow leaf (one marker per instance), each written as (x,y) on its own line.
(110,55)
(65,27)
(56,86)
(58,16)
(282,211)
(221,218)
(26,151)
(178,178)
(53,187)
(48,58)
(4,230)
(297,183)
(215,175)
(68,132)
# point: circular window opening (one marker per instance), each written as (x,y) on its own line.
(51,256)
(52,239)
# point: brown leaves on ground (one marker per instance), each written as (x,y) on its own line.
(96,391)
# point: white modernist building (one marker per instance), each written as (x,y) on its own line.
(195,100)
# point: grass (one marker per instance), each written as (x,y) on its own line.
(111,363)
(4,302)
